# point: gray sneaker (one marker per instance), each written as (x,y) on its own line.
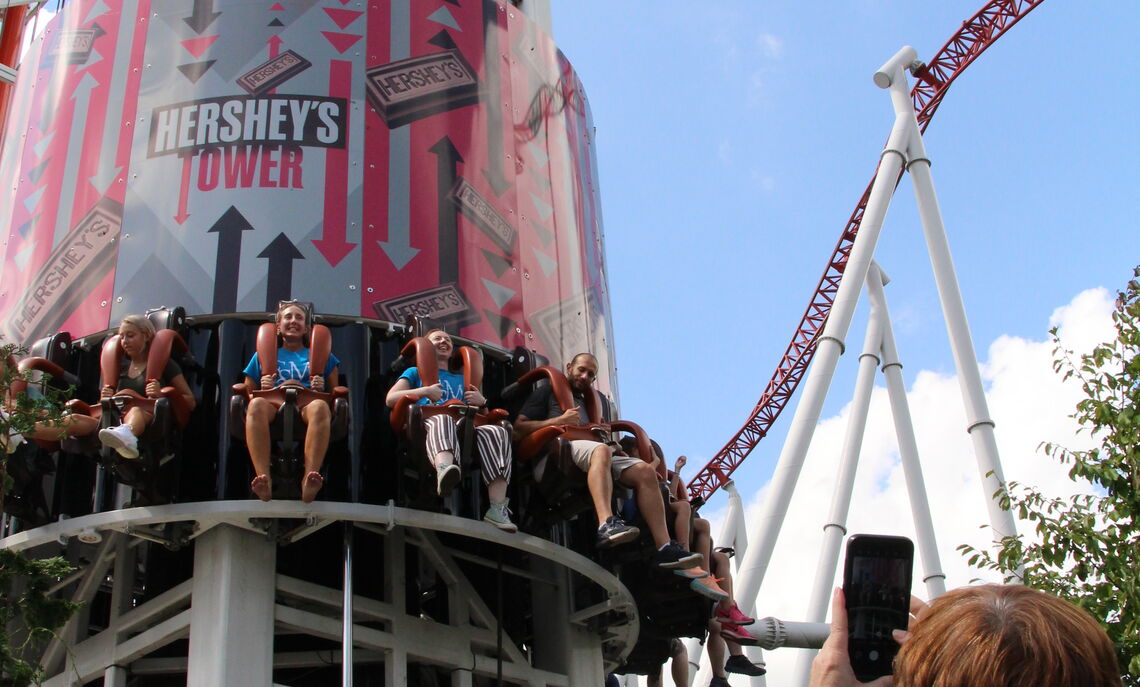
(500,516)
(615,531)
(447,476)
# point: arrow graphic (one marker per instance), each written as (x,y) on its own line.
(398,247)
(184,192)
(107,170)
(447,157)
(228,228)
(274,45)
(494,105)
(69,187)
(333,244)
(195,70)
(202,16)
(279,285)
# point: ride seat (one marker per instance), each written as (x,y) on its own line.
(546,452)
(407,416)
(287,431)
(159,443)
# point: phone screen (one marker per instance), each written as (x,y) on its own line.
(876,584)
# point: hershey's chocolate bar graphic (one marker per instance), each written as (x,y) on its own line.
(562,327)
(411,89)
(76,265)
(444,303)
(75,46)
(273,73)
(477,209)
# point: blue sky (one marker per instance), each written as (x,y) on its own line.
(735,138)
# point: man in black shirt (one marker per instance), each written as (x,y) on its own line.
(602,468)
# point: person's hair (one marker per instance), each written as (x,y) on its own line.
(141,323)
(581,355)
(1006,636)
(305,308)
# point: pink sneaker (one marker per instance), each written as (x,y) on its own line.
(733,616)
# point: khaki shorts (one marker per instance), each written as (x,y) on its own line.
(582,449)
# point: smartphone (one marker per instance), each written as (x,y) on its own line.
(876,588)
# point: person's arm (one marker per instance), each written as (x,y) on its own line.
(474,397)
(403,387)
(524,425)
(180,385)
(254,380)
(317,382)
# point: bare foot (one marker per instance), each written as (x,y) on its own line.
(311,485)
(261,487)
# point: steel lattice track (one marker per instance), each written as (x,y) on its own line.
(977,34)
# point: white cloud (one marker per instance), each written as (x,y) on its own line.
(724,151)
(1028,403)
(763,181)
(770,45)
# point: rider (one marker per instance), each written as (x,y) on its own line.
(493,440)
(135,334)
(293,327)
(603,468)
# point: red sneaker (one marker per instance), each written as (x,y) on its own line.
(737,634)
(733,616)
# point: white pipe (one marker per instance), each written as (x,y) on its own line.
(836,526)
(979,425)
(828,350)
(891,70)
(732,527)
(934,578)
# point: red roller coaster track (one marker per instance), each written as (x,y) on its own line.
(977,34)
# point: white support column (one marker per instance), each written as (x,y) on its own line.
(395,583)
(979,425)
(933,576)
(347,614)
(123,579)
(231,622)
(836,526)
(828,350)
(584,658)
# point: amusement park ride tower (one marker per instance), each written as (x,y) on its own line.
(386,160)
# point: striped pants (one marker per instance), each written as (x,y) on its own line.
(493,444)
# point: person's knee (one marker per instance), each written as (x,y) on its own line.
(639,476)
(720,561)
(601,457)
(260,411)
(317,414)
(701,526)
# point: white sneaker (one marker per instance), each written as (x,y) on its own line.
(121,439)
(14,441)
(446,477)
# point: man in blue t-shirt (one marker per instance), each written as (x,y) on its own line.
(293,327)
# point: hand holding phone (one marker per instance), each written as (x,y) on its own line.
(876,588)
